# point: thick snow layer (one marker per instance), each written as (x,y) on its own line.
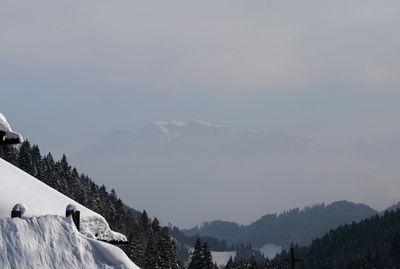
(9,133)
(18,187)
(54,242)
(222,257)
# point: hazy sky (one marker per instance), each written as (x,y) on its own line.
(76,70)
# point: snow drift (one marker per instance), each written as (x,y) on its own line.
(54,242)
(9,134)
(18,187)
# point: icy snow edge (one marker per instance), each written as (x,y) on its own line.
(54,242)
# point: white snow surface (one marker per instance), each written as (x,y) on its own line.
(222,257)
(18,187)
(54,242)
(5,127)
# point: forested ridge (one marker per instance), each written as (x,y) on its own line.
(299,226)
(371,243)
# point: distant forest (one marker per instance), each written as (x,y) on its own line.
(372,243)
(299,226)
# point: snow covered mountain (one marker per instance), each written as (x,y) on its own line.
(45,239)
(194,136)
(167,157)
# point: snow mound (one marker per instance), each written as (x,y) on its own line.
(18,187)
(9,133)
(54,242)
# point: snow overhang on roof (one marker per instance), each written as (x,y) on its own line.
(7,135)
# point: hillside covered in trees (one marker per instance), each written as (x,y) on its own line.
(372,243)
(299,226)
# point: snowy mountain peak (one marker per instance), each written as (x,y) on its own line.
(166,126)
(167,131)
(206,124)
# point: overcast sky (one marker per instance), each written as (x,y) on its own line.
(76,70)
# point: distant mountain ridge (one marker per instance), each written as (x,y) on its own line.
(195,157)
(159,134)
(179,155)
(299,226)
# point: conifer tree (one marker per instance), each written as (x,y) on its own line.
(201,257)
(230,264)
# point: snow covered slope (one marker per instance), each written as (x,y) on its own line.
(54,242)
(16,186)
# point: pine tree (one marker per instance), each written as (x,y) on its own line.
(9,153)
(230,264)
(25,158)
(201,257)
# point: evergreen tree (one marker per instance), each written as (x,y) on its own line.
(230,264)
(201,257)
(25,161)
(9,153)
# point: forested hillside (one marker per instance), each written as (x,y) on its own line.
(298,226)
(149,246)
(372,243)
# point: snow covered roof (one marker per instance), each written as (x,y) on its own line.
(54,242)
(18,187)
(7,135)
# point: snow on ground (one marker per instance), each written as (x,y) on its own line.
(18,187)
(270,250)
(222,257)
(54,242)
(9,133)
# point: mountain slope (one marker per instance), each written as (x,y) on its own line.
(299,226)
